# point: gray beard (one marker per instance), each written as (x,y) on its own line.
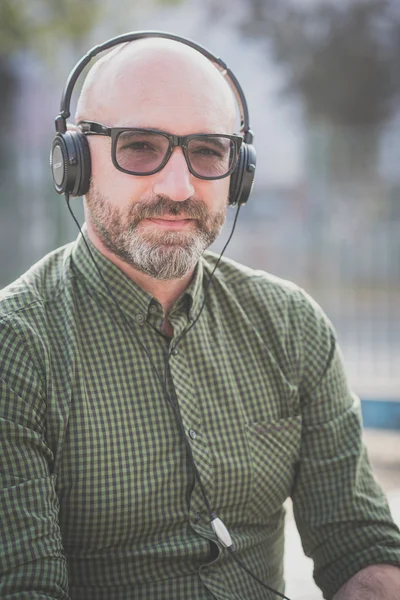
(172,258)
(164,255)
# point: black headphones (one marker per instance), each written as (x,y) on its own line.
(70,155)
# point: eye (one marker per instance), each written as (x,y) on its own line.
(138,142)
(207,151)
(139,147)
(212,148)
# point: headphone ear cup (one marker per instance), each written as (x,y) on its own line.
(70,163)
(242,178)
(85,172)
(236,177)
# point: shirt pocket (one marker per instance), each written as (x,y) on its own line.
(274,448)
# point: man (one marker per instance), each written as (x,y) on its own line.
(138,402)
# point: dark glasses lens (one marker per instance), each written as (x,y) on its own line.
(144,152)
(211,156)
(140,152)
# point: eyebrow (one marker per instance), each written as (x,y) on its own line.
(150,131)
(213,141)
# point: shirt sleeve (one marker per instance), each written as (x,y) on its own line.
(341,512)
(32,564)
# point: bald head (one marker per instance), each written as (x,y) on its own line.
(129,85)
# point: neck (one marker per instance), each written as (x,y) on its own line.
(166,292)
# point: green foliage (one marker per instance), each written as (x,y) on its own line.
(36,23)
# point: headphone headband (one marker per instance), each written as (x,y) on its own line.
(70,159)
(61,126)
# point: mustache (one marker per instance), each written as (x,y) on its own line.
(161,206)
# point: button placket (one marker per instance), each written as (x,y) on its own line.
(187,398)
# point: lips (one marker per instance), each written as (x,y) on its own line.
(170,219)
(168,222)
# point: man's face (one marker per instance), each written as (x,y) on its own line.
(159,224)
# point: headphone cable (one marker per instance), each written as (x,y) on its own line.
(186,331)
(220,530)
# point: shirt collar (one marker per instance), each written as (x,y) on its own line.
(129,295)
(195,291)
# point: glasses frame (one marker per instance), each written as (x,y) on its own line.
(93,128)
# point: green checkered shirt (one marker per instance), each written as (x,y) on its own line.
(98,496)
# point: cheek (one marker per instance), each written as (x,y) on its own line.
(101,163)
(214,193)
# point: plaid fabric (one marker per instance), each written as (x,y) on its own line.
(98,498)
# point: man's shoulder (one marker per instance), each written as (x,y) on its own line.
(39,285)
(242,279)
(264,294)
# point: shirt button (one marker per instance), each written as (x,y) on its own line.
(139,318)
(153,309)
(204,571)
(174,352)
(192,434)
(196,517)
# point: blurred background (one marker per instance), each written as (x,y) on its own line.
(322,81)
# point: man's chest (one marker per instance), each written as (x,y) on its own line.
(125,474)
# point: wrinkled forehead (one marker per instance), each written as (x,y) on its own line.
(157,79)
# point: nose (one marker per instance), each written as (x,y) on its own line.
(175,179)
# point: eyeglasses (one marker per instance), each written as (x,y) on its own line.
(146,151)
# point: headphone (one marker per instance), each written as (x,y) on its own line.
(70,161)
